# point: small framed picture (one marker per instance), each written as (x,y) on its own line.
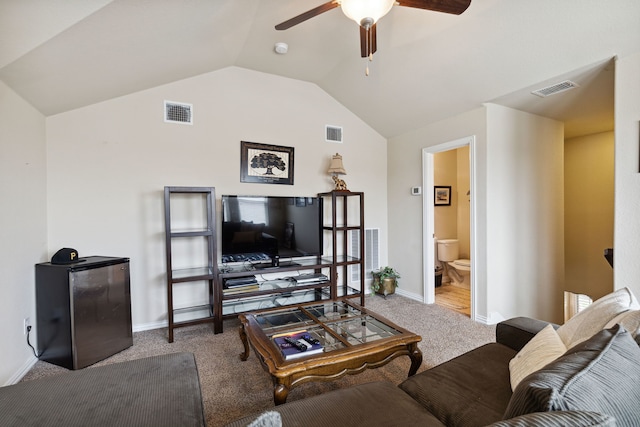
(442,195)
(266,164)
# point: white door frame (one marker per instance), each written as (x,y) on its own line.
(428,226)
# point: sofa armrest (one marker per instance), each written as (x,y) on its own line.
(516,332)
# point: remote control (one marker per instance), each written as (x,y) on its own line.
(296,344)
(310,339)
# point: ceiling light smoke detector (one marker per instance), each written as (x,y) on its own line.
(281,48)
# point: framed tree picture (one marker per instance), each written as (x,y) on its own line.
(266,164)
(442,195)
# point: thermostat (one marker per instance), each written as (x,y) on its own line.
(416,191)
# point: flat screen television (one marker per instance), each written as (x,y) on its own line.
(265,229)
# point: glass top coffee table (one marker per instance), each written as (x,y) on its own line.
(353,339)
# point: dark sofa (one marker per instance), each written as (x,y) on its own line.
(154,391)
(595,383)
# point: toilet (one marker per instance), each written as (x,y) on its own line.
(457,270)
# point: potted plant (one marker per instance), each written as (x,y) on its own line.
(385,281)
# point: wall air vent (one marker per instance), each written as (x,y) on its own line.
(333,133)
(176,112)
(371,252)
(556,88)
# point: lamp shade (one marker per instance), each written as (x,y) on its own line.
(336,167)
(358,10)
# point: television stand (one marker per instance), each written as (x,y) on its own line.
(275,287)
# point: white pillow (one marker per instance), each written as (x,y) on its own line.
(545,347)
(594,318)
(630,320)
(267,419)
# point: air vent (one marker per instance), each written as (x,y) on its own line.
(175,112)
(556,88)
(371,252)
(333,133)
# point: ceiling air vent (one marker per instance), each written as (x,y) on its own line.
(333,133)
(176,112)
(556,88)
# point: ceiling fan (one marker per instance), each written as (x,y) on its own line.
(366,14)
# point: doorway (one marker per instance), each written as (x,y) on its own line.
(429,215)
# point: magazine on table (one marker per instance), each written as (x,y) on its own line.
(297,344)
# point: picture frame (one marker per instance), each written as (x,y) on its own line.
(442,195)
(266,164)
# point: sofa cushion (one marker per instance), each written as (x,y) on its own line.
(470,390)
(601,374)
(595,317)
(545,347)
(559,419)
(371,404)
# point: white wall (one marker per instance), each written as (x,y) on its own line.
(108,164)
(519,266)
(405,211)
(626,270)
(22,226)
(525,215)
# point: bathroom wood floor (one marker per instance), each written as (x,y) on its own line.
(453,297)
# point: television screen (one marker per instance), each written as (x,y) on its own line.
(256,228)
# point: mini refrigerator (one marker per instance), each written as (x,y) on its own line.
(83,310)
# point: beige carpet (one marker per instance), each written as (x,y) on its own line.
(232,388)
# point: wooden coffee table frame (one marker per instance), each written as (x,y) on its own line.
(326,366)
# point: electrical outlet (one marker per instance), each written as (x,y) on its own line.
(27,323)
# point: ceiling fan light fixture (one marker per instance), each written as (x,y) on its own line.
(366,12)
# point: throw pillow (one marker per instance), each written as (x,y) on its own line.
(600,375)
(267,419)
(630,320)
(545,347)
(559,419)
(595,317)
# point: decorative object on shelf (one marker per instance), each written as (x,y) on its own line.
(442,195)
(337,168)
(266,164)
(385,281)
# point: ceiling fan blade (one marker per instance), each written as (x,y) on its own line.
(308,15)
(455,7)
(368,43)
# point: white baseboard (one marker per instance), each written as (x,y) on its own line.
(149,326)
(22,371)
(409,295)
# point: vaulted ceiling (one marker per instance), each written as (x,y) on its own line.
(65,54)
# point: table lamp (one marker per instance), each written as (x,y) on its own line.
(336,168)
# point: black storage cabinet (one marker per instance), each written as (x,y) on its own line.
(83,310)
